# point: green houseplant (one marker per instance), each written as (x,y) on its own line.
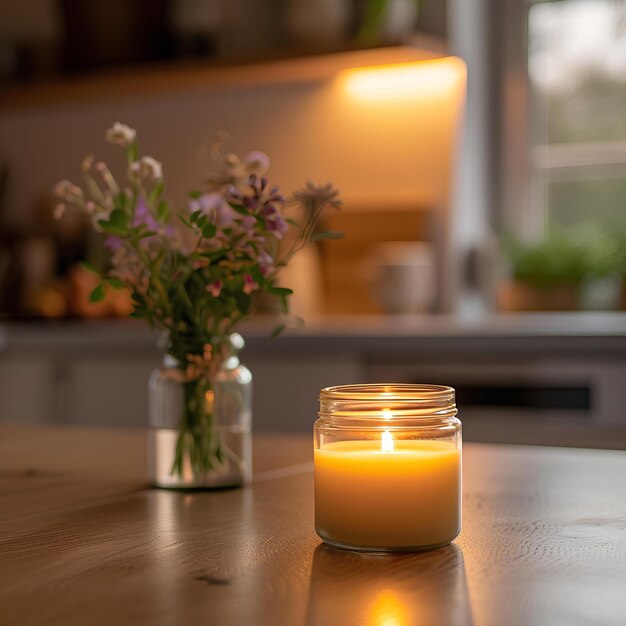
(553,273)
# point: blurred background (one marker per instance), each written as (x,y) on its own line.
(480,148)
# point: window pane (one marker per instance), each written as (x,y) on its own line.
(571,201)
(577,70)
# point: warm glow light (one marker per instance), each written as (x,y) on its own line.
(386,414)
(386,444)
(404,80)
(388,610)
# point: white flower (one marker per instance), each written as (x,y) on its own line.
(151,168)
(121,134)
(87,162)
(147,168)
(58,211)
(257,162)
(253,163)
(215,207)
(68,191)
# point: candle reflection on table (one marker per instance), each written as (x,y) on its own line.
(388,590)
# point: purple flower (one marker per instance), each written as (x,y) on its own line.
(274,221)
(113,243)
(265,261)
(251,203)
(143,216)
(247,223)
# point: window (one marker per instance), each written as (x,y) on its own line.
(576,116)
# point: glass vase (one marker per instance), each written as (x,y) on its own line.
(200,424)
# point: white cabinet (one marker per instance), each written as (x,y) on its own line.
(27,389)
(286,387)
(111,389)
(108,391)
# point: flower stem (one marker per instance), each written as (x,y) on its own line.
(198,439)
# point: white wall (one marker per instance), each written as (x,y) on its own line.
(399,148)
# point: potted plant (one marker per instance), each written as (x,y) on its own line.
(576,267)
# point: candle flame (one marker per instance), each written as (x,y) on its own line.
(387,414)
(387,442)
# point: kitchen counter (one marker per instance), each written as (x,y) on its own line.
(505,333)
(531,378)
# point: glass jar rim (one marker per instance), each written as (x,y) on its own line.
(386,392)
(395,402)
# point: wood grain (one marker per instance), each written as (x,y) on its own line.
(47,467)
(543,542)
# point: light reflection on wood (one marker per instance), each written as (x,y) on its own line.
(388,590)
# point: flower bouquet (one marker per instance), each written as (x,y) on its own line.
(196,275)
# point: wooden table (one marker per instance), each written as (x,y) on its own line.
(84,541)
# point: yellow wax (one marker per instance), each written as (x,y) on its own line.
(407,498)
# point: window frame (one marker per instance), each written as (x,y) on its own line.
(521,193)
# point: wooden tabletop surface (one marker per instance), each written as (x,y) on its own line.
(83,540)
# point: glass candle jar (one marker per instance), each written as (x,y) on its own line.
(388,467)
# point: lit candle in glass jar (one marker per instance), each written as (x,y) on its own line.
(388,479)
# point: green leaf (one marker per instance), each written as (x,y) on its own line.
(138,299)
(292,222)
(371,23)
(98,293)
(163,211)
(257,275)
(238,208)
(194,195)
(121,200)
(184,220)
(111,229)
(209,230)
(89,267)
(116,283)
(280,291)
(147,233)
(119,218)
(156,192)
(327,234)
